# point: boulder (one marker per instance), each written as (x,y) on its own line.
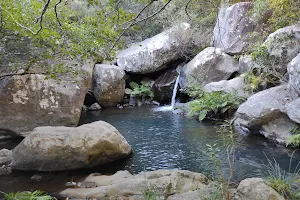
(155,53)
(233,86)
(5,157)
(283,45)
(108,84)
(265,110)
(163,86)
(32,100)
(94,107)
(278,129)
(233,28)
(246,64)
(210,65)
(256,189)
(65,148)
(293,110)
(265,106)
(294,72)
(164,183)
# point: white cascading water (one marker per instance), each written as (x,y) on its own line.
(168,108)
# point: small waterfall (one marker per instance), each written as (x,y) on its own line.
(175,91)
(168,108)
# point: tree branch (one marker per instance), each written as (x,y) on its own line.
(134,21)
(56,14)
(40,18)
(186,8)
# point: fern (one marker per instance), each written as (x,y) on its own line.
(141,90)
(293,140)
(216,102)
(26,195)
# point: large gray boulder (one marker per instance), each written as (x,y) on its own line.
(64,148)
(265,112)
(154,53)
(293,110)
(32,100)
(264,106)
(5,157)
(233,28)
(294,73)
(246,64)
(108,84)
(235,86)
(163,86)
(256,189)
(210,65)
(283,45)
(166,184)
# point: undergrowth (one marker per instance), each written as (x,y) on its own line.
(26,195)
(141,90)
(214,103)
(286,183)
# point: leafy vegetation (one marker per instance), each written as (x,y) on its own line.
(214,103)
(150,192)
(141,90)
(26,195)
(213,161)
(276,13)
(284,182)
(293,140)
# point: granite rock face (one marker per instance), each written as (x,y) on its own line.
(210,65)
(108,84)
(153,54)
(233,27)
(65,148)
(32,100)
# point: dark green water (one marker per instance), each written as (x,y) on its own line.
(161,140)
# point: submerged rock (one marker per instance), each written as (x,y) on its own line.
(256,189)
(64,148)
(108,84)
(233,28)
(210,65)
(154,53)
(32,100)
(167,184)
(163,86)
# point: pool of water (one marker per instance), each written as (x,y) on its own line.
(163,140)
(160,140)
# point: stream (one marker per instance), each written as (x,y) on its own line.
(160,140)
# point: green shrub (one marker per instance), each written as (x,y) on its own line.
(193,89)
(293,140)
(284,182)
(280,185)
(150,192)
(141,90)
(215,102)
(26,195)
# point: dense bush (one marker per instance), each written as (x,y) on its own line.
(215,103)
